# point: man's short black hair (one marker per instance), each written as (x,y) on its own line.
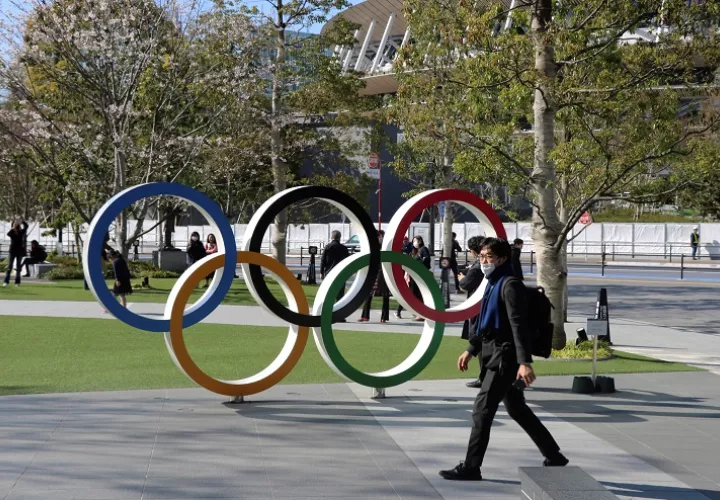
(518,241)
(475,243)
(499,247)
(454,235)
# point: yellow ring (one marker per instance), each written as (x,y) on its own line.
(294,346)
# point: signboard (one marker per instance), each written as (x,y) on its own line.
(373,170)
(596,327)
(585,218)
(441,205)
(373,173)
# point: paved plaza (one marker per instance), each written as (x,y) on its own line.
(656,438)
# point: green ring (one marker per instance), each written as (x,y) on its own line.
(326,330)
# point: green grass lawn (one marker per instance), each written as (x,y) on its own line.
(47,355)
(72,290)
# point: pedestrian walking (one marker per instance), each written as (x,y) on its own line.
(210,248)
(421,253)
(380,290)
(695,241)
(17,252)
(121,271)
(333,253)
(453,261)
(515,258)
(503,340)
(195,249)
(470,282)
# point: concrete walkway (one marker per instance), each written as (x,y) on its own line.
(331,442)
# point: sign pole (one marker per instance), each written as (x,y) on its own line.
(594,364)
(379,196)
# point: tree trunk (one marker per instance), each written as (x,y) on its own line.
(279,167)
(545,222)
(448,222)
(121,184)
(169,227)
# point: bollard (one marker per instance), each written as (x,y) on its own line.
(682,266)
(532,253)
(602,265)
(301,256)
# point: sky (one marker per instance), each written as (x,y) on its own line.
(7,4)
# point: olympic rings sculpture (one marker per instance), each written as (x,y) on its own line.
(365,265)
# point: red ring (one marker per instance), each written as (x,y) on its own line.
(440,195)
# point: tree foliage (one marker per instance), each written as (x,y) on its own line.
(567,103)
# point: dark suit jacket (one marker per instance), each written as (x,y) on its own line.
(470,283)
(511,343)
(423,255)
(333,254)
(516,265)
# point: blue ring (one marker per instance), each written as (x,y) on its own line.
(100,225)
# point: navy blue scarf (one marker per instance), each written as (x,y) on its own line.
(490,312)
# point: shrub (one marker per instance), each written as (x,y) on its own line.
(582,351)
(157,273)
(3,265)
(63,260)
(65,273)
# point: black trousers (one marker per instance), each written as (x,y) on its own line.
(385,314)
(29,262)
(497,387)
(415,291)
(454,269)
(17,259)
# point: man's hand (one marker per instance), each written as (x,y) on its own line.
(526,373)
(463,361)
(461,276)
(117,283)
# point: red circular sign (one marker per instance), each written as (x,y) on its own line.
(585,218)
(374,160)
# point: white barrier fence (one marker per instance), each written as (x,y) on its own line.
(616,238)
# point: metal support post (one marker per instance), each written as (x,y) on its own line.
(682,266)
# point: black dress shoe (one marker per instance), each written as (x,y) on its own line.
(558,460)
(462,473)
(475,384)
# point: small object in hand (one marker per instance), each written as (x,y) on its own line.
(519,384)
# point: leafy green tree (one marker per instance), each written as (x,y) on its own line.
(302,97)
(568,103)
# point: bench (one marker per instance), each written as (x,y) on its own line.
(38,270)
(560,483)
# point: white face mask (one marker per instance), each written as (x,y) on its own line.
(487,269)
(194,238)
(416,244)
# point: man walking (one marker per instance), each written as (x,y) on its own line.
(453,261)
(333,253)
(503,341)
(516,264)
(695,241)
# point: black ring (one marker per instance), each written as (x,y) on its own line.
(255,245)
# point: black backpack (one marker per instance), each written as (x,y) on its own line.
(540,320)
